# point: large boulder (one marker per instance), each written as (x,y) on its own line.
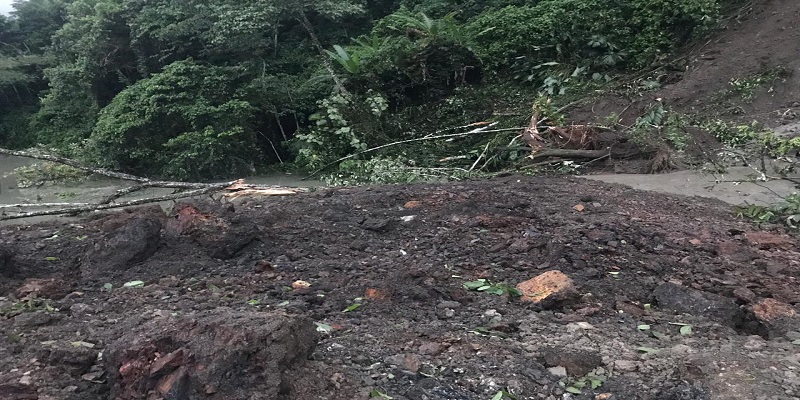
(6,259)
(214,227)
(223,354)
(133,238)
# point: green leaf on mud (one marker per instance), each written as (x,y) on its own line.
(51,258)
(476,285)
(503,395)
(133,284)
(574,390)
(643,327)
(107,287)
(596,382)
(81,238)
(686,330)
(375,393)
(352,307)
(254,302)
(648,350)
(658,335)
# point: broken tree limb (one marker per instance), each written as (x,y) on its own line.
(568,153)
(233,189)
(100,207)
(483,129)
(73,163)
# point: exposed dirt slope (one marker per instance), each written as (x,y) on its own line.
(760,38)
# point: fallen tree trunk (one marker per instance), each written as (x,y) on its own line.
(569,153)
(232,189)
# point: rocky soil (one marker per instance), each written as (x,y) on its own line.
(413,292)
(360,293)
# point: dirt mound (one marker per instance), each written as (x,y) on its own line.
(411,289)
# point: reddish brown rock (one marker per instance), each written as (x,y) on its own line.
(215,228)
(219,355)
(43,289)
(735,252)
(765,240)
(775,316)
(548,289)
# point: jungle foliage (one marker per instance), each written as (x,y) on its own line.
(201,89)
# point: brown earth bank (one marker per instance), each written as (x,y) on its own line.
(748,72)
(354,293)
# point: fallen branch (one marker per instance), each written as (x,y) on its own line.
(234,189)
(483,129)
(73,163)
(569,153)
(100,207)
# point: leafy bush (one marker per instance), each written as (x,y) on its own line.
(576,37)
(185,122)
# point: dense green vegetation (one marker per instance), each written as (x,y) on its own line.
(200,89)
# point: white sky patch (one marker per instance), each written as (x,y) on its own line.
(5,6)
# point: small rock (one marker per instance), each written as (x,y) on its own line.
(80,310)
(576,362)
(43,288)
(765,240)
(33,319)
(754,343)
(558,371)
(448,304)
(625,365)
(408,362)
(377,224)
(775,316)
(744,294)
(550,289)
(735,252)
(430,348)
(686,300)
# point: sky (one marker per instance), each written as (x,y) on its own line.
(5,6)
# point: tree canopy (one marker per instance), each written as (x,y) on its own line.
(202,89)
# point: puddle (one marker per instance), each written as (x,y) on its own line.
(96,188)
(734,187)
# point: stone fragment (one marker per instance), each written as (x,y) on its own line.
(53,289)
(576,362)
(377,224)
(744,294)
(691,301)
(17,391)
(776,317)
(625,365)
(550,289)
(766,240)
(34,319)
